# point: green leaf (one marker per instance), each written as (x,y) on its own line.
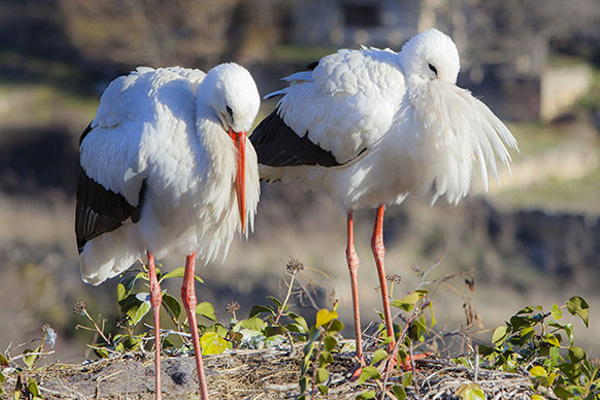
(379,356)
(407,379)
(276,301)
(554,353)
(325,358)
(207,310)
(368,373)
(387,340)
(257,309)
(324,316)
(552,340)
(212,343)
(399,392)
(576,354)
(137,312)
(308,350)
(176,273)
(172,304)
(130,301)
(519,322)
(407,303)
(313,335)
(32,387)
(135,306)
(253,324)
(433,321)
(218,328)
(578,306)
(121,292)
(330,343)
(300,321)
(323,389)
(322,375)
(556,312)
(538,371)
(132,343)
(418,328)
(3,361)
(369,394)
(470,391)
(303,383)
(101,352)
(120,348)
(499,335)
(526,310)
(270,331)
(526,335)
(561,392)
(30,359)
(335,326)
(568,328)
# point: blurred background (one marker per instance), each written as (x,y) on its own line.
(533,240)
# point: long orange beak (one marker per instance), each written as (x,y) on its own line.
(239,138)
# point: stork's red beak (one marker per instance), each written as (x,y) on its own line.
(239,138)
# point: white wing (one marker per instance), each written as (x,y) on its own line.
(347,103)
(116,152)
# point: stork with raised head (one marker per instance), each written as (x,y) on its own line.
(166,167)
(372,126)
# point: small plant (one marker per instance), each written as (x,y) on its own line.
(416,329)
(318,352)
(535,341)
(134,300)
(20,367)
(321,339)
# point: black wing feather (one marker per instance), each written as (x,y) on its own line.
(99,210)
(312,66)
(277,145)
(85,133)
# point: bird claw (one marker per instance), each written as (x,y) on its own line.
(357,371)
(407,364)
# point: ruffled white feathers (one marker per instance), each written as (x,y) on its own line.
(422,133)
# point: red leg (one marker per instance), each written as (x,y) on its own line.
(188,295)
(155,301)
(379,252)
(352,259)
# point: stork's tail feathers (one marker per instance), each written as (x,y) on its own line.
(101,260)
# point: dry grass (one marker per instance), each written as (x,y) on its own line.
(258,374)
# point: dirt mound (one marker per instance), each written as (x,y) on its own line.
(258,374)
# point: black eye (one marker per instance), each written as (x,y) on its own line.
(230,111)
(434,69)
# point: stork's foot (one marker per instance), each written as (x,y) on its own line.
(358,369)
(407,363)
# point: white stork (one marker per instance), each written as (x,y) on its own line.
(166,166)
(371,126)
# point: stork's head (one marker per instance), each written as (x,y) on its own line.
(235,100)
(430,55)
